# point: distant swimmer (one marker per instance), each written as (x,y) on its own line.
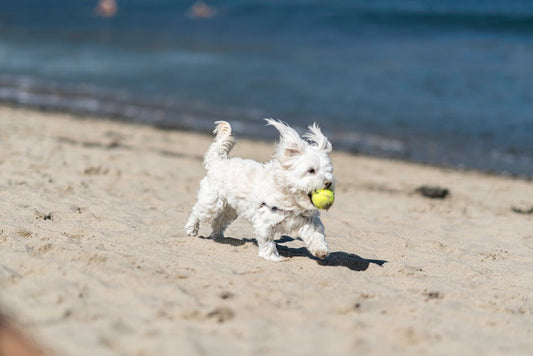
(106,8)
(201,10)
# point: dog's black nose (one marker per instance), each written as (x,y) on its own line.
(327,183)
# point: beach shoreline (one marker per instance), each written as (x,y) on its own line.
(347,147)
(93,255)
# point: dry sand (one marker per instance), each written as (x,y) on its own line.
(94,259)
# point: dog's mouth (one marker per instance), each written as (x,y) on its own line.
(310,195)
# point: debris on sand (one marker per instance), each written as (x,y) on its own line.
(433,192)
(525,211)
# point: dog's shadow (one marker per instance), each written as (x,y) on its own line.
(335,259)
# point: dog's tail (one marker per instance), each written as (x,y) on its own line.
(222,146)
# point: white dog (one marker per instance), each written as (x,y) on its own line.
(274,196)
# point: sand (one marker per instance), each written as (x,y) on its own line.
(94,259)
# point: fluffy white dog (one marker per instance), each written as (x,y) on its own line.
(274,196)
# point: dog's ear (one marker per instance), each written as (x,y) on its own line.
(290,143)
(318,139)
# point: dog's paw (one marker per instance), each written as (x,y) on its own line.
(273,257)
(268,251)
(192,230)
(320,253)
(319,250)
(270,254)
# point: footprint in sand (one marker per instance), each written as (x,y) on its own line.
(24,233)
(221,314)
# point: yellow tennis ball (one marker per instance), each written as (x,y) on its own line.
(323,198)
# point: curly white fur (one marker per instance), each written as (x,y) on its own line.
(274,196)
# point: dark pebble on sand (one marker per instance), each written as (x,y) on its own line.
(433,192)
(524,211)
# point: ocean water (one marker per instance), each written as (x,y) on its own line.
(446,82)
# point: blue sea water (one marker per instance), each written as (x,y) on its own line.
(447,82)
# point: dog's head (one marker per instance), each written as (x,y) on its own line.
(304,163)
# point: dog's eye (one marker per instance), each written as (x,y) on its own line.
(311,171)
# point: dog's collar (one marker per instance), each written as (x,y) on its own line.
(275,209)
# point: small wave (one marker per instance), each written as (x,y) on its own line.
(491,22)
(355,15)
(368,143)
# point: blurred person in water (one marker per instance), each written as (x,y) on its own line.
(201,10)
(109,8)
(106,8)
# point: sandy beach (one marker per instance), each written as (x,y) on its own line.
(94,258)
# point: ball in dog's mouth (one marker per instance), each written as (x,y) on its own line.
(322,198)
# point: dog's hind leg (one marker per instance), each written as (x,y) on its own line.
(192,226)
(193,223)
(206,208)
(221,221)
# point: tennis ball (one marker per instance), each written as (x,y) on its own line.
(323,198)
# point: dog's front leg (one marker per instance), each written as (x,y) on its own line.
(312,233)
(264,233)
(267,248)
